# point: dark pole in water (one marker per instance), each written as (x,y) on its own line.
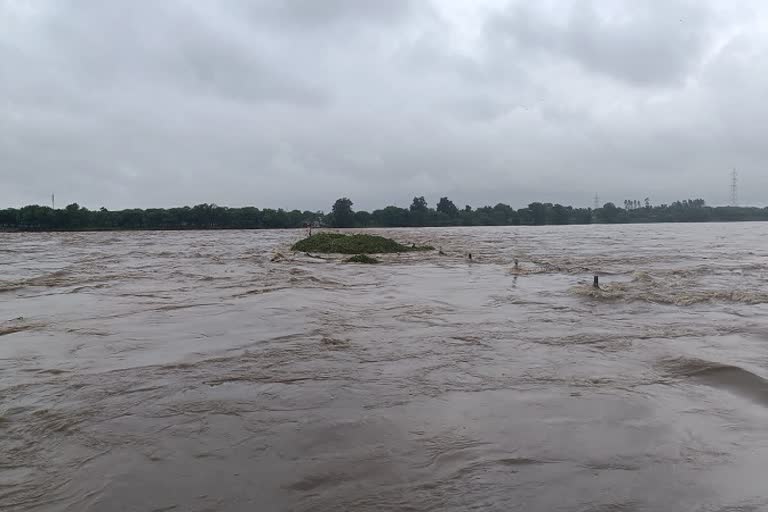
(470,256)
(596,282)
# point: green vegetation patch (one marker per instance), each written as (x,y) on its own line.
(362,258)
(353,244)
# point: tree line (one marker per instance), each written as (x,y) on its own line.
(343,215)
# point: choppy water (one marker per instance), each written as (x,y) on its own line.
(187,371)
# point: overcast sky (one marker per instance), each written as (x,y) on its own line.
(293,103)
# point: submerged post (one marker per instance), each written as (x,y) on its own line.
(470,256)
(596,282)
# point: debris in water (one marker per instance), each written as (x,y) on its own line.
(334,343)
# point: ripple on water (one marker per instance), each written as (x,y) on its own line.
(187,371)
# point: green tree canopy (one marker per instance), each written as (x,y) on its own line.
(212,216)
(342,215)
(447,207)
(608,213)
(419,205)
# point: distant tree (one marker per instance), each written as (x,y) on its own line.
(467,216)
(9,218)
(275,219)
(35,217)
(391,216)
(538,213)
(419,204)
(207,216)
(525,215)
(342,215)
(447,207)
(504,215)
(419,210)
(483,216)
(608,213)
(581,215)
(560,214)
(130,219)
(244,218)
(362,219)
(76,217)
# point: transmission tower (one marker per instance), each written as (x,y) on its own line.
(597,202)
(734,183)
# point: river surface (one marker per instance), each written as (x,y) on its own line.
(188,371)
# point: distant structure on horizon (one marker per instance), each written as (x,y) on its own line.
(734,183)
(597,202)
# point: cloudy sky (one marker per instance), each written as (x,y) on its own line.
(293,103)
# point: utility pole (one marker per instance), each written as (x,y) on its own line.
(53,201)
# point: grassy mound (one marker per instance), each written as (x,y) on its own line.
(362,258)
(353,244)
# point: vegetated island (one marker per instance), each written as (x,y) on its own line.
(359,244)
(362,258)
(342,215)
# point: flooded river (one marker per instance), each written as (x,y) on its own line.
(187,371)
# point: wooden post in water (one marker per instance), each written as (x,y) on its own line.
(596,282)
(470,256)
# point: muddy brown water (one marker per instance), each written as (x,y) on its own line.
(157,371)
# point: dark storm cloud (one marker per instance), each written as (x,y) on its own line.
(295,103)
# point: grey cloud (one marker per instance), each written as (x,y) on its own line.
(479,108)
(165,44)
(430,56)
(227,70)
(318,14)
(293,104)
(644,43)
